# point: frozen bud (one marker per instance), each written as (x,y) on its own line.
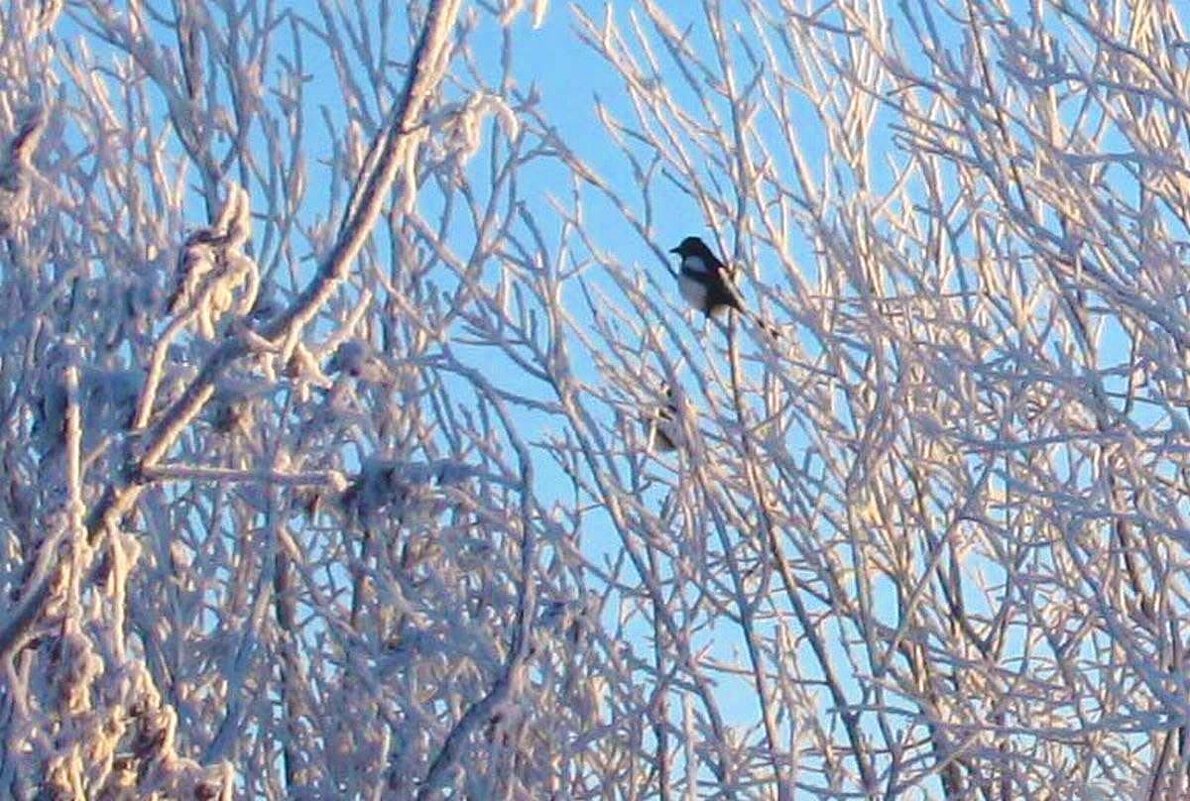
(16,164)
(237,217)
(350,358)
(302,364)
(196,261)
(180,557)
(214,275)
(231,412)
(267,306)
(356,359)
(310,500)
(48,12)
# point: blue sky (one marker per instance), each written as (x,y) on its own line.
(569,77)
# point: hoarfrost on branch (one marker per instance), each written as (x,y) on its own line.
(357,442)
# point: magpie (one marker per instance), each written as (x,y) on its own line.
(662,429)
(704,282)
(703,279)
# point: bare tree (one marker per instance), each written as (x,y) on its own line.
(348,456)
(944,515)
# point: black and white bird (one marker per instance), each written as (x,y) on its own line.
(703,279)
(705,283)
(662,429)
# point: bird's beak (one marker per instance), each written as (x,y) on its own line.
(675,250)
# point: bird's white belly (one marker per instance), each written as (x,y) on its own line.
(695,292)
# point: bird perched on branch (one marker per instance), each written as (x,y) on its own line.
(662,429)
(703,279)
(705,283)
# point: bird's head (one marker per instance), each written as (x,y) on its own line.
(691,246)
